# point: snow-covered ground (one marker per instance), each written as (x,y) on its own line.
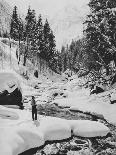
(19,133)
(97,104)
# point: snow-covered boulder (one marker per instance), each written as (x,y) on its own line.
(113,98)
(56,93)
(86,128)
(67,74)
(55,129)
(97,90)
(10,90)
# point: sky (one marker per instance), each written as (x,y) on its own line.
(45,7)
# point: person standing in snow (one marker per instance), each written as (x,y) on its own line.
(34,108)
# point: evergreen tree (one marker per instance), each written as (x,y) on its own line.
(52,45)
(64,58)
(46,32)
(30,24)
(5,34)
(72,54)
(21,30)
(38,40)
(14,30)
(59,62)
(49,44)
(101,32)
(29,34)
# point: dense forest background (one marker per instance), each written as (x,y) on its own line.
(92,53)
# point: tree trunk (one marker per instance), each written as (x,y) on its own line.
(25,57)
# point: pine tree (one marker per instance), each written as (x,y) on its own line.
(38,42)
(46,32)
(52,45)
(14,30)
(59,62)
(29,34)
(38,37)
(30,24)
(64,58)
(101,32)
(72,54)
(49,45)
(5,34)
(21,30)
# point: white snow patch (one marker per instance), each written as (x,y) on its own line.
(86,128)
(99,104)
(55,129)
(17,136)
(19,139)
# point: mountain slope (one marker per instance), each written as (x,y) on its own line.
(67,23)
(66,19)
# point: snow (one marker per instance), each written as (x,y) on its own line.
(97,104)
(55,129)
(71,101)
(113,97)
(11,81)
(100,108)
(18,135)
(16,140)
(88,128)
(8,114)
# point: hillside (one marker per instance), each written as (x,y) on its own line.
(67,23)
(66,19)
(69,117)
(55,102)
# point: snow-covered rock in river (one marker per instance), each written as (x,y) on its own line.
(55,129)
(88,128)
(113,98)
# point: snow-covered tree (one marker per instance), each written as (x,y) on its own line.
(29,34)
(38,40)
(101,32)
(49,44)
(46,32)
(30,24)
(14,26)
(52,44)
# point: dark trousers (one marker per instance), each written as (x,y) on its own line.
(34,114)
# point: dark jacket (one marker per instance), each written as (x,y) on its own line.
(34,105)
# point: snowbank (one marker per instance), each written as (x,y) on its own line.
(99,104)
(8,114)
(55,129)
(88,128)
(18,135)
(19,139)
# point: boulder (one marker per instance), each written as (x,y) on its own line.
(36,73)
(97,90)
(10,90)
(87,128)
